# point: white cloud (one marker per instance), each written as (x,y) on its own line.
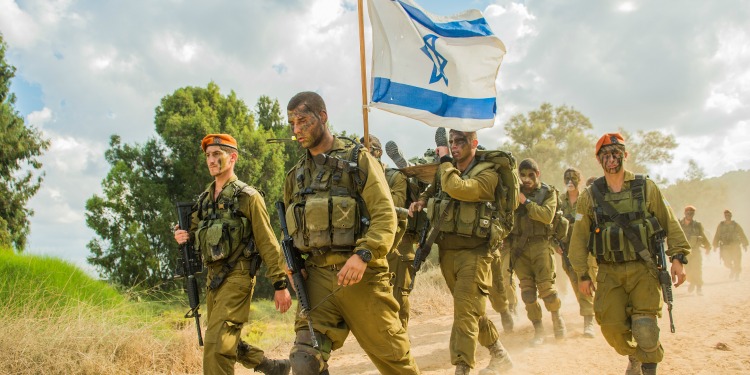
(19,28)
(39,118)
(627,7)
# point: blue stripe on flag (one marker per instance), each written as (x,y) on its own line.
(435,102)
(455,29)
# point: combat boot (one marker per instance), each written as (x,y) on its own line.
(634,366)
(500,360)
(588,326)
(462,368)
(538,333)
(648,369)
(699,288)
(507,319)
(273,366)
(558,325)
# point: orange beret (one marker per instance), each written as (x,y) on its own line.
(218,140)
(690,207)
(727,212)
(609,139)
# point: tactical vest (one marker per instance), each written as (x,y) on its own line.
(692,230)
(326,210)
(223,233)
(416,222)
(470,219)
(608,242)
(524,226)
(728,233)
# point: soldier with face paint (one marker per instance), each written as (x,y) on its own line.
(460,200)
(531,245)
(569,200)
(628,293)
(728,238)
(697,238)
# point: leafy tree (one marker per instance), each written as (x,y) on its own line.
(21,147)
(135,217)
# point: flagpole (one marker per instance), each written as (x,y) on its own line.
(363,71)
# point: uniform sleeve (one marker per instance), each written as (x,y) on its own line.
(658,206)
(398,189)
(704,240)
(578,247)
(741,235)
(717,235)
(546,212)
(254,208)
(429,192)
(379,236)
(480,188)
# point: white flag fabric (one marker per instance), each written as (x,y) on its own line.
(439,70)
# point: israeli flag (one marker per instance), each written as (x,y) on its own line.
(439,70)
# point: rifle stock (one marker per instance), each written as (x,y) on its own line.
(664,277)
(296,264)
(189,264)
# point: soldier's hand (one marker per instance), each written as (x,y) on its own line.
(678,273)
(415,207)
(181,236)
(352,271)
(442,151)
(587,287)
(559,250)
(283,300)
(521,197)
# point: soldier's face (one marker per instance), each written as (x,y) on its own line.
(728,216)
(689,213)
(307,126)
(460,147)
(218,160)
(571,181)
(529,179)
(611,159)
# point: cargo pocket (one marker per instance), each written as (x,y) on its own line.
(467,214)
(317,222)
(216,245)
(447,224)
(343,219)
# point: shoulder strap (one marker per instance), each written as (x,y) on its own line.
(622,222)
(539,199)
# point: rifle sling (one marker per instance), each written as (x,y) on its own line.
(624,225)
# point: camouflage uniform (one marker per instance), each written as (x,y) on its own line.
(327,212)
(248,234)
(728,238)
(628,296)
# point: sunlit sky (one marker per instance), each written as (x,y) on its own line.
(90,69)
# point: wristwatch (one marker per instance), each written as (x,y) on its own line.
(680,257)
(364,254)
(527,201)
(279,285)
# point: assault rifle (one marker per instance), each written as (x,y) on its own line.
(664,277)
(425,243)
(188,265)
(296,264)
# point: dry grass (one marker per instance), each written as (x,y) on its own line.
(430,295)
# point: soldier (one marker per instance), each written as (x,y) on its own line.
(341,215)
(729,235)
(531,244)
(501,299)
(697,238)
(628,297)
(461,200)
(572,178)
(403,192)
(231,228)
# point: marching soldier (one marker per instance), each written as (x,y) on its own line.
(728,238)
(697,238)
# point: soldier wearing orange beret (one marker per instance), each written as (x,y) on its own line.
(697,238)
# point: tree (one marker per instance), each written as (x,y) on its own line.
(134,219)
(22,146)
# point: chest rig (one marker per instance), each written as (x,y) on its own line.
(608,241)
(468,219)
(728,233)
(413,187)
(327,212)
(526,228)
(692,230)
(224,233)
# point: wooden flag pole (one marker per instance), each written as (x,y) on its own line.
(363,71)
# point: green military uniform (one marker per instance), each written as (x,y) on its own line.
(585,303)
(628,296)
(464,250)
(230,231)
(401,256)
(531,251)
(697,238)
(330,213)
(728,238)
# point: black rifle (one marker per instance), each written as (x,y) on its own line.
(665,279)
(188,265)
(564,254)
(296,264)
(425,243)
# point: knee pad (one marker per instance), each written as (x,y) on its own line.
(552,302)
(645,332)
(305,363)
(528,296)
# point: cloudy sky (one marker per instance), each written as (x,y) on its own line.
(90,69)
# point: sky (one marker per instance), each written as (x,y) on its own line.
(89,69)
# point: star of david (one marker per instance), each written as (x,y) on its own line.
(439,61)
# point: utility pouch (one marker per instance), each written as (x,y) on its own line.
(467,215)
(317,221)
(216,247)
(344,217)
(447,224)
